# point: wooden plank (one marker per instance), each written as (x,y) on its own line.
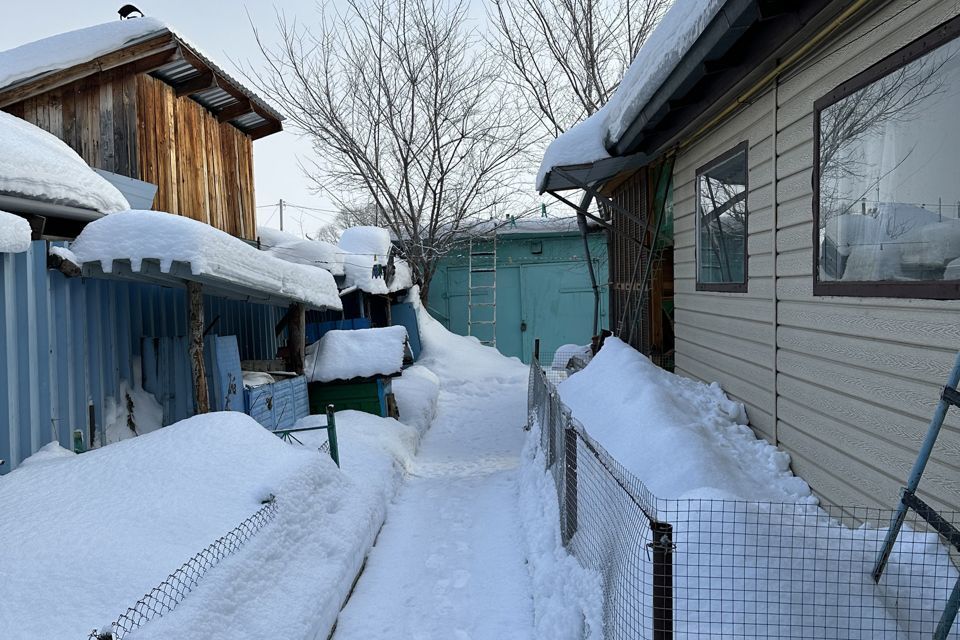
(107,158)
(204,81)
(201,397)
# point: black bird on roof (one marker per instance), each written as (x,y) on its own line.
(127,9)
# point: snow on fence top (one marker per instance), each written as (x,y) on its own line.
(289,247)
(36,164)
(357,353)
(66,50)
(658,57)
(14,233)
(365,248)
(137,236)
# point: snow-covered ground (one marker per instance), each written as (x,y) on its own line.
(449,563)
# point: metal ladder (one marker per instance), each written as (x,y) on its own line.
(482,288)
(909,500)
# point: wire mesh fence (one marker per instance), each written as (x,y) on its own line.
(733,569)
(168,594)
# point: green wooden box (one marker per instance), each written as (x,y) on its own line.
(368,395)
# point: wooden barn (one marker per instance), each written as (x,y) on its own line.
(135,99)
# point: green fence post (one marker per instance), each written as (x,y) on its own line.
(332,434)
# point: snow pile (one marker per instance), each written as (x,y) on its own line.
(367,251)
(14,233)
(568,599)
(75,528)
(291,579)
(682,438)
(36,164)
(288,247)
(417,392)
(658,57)
(66,50)
(134,413)
(153,235)
(460,359)
(356,353)
(47,453)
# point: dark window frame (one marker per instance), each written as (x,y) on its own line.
(928,289)
(725,287)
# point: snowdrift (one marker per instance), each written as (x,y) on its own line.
(682,438)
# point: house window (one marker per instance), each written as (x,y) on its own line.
(887,185)
(722,222)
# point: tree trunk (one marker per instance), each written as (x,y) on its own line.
(296,344)
(201,397)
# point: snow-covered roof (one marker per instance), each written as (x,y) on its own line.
(168,247)
(14,233)
(27,64)
(364,249)
(530,225)
(357,353)
(289,247)
(38,165)
(588,141)
(66,50)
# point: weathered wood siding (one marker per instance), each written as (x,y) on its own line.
(98,120)
(729,336)
(857,379)
(204,168)
(135,125)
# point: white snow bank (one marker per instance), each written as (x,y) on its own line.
(366,249)
(65,50)
(291,579)
(134,413)
(288,247)
(47,453)
(14,233)
(670,41)
(417,392)
(567,598)
(154,235)
(38,165)
(356,353)
(75,529)
(459,359)
(682,438)
(93,533)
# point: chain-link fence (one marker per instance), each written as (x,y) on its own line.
(168,594)
(734,569)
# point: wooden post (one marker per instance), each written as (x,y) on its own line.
(201,397)
(296,344)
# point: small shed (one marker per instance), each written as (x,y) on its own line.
(352,369)
(542,285)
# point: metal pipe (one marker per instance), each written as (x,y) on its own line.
(16,204)
(917,472)
(582,224)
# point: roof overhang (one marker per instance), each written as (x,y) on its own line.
(169,58)
(180,273)
(744,42)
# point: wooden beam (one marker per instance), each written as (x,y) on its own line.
(271,126)
(157,49)
(201,397)
(296,343)
(242,107)
(206,80)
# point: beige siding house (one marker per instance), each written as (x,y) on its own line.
(815,190)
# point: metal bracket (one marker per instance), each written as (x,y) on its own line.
(951,395)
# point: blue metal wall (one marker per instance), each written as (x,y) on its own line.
(66,343)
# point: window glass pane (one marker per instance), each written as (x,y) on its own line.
(890,176)
(721,221)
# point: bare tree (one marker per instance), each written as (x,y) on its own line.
(567,57)
(348,216)
(406,110)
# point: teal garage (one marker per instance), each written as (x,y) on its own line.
(521,280)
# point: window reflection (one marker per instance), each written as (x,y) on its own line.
(889,200)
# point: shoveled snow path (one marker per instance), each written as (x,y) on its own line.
(449,563)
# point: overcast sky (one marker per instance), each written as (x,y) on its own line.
(220,28)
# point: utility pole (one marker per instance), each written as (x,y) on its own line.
(281,214)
